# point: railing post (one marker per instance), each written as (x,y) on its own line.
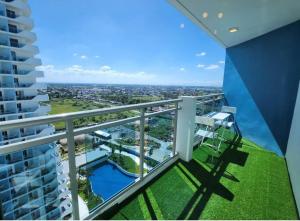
(186,128)
(72,169)
(142,142)
(175,129)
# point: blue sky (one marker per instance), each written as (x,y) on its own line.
(117,41)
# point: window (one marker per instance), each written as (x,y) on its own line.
(16,81)
(14,42)
(13,55)
(12,28)
(10,14)
(15,68)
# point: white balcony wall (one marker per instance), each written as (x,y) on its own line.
(29,105)
(10,107)
(293,151)
(20,6)
(13,133)
(29,93)
(27,80)
(8,94)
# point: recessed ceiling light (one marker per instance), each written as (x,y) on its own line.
(220,15)
(205,14)
(233,29)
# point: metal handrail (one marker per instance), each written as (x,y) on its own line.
(80,114)
(90,113)
(71,132)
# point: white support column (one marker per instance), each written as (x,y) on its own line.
(175,130)
(72,169)
(186,128)
(142,142)
(293,152)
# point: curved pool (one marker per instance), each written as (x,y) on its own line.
(107,179)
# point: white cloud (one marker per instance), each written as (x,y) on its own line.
(103,74)
(182,69)
(200,54)
(212,66)
(222,62)
(97,56)
(200,65)
(83,57)
(75,54)
(181,25)
(105,68)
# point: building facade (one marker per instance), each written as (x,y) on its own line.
(32,184)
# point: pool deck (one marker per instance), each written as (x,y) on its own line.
(82,159)
(83,209)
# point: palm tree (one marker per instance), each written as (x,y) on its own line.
(120,151)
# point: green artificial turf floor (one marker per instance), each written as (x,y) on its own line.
(244,181)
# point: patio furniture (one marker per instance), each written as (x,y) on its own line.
(232,112)
(209,130)
(221,118)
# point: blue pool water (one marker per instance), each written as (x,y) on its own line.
(107,180)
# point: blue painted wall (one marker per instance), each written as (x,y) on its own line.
(261,79)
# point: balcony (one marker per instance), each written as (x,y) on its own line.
(22,61)
(19,5)
(210,185)
(3,71)
(38,98)
(29,36)
(22,20)
(26,21)
(27,86)
(29,73)
(29,49)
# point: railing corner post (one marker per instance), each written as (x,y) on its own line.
(186,127)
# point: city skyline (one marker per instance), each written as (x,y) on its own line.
(109,45)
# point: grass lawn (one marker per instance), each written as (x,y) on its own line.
(59,106)
(126,163)
(85,192)
(243,182)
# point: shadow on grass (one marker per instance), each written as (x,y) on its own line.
(210,180)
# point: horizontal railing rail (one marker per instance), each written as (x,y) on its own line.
(80,114)
(171,106)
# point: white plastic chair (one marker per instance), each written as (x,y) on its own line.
(229,110)
(208,131)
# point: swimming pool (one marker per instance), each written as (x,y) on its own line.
(107,180)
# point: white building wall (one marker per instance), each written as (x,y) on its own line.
(293,152)
(17,75)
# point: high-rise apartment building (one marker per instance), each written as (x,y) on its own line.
(32,184)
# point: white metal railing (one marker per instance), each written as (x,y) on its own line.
(179,107)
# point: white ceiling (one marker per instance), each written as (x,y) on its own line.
(252,17)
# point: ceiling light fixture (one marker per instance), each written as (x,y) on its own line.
(233,29)
(220,15)
(205,14)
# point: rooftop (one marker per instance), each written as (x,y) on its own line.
(243,182)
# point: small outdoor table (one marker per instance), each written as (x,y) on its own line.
(220,117)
